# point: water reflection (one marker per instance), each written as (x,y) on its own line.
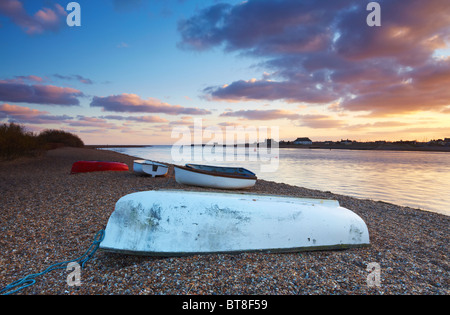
(415,179)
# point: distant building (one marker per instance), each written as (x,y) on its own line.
(302,141)
(346,142)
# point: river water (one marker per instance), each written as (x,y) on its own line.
(414,179)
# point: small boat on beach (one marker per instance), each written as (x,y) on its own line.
(97,166)
(177,223)
(150,168)
(214,176)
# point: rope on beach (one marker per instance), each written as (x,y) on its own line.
(30,279)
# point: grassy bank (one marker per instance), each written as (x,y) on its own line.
(16,141)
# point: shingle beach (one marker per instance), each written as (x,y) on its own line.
(48,215)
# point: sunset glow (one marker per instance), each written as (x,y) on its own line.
(136,69)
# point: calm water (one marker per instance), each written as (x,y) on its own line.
(415,179)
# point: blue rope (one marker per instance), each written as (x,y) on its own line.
(30,279)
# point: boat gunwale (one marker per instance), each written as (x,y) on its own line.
(281,250)
(148,162)
(216,174)
(98,161)
(244,194)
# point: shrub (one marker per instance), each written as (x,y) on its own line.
(15,141)
(56,138)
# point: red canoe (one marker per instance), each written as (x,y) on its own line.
(96,166)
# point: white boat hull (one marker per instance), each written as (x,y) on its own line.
(186,177)
(175,223)
(150,168)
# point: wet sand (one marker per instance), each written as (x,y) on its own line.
(48,215)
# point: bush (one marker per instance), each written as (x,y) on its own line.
(56,138)
(15,141)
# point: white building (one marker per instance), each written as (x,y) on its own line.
(302,141)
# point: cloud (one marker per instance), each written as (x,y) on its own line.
(76,77)
(201,32)
(84,121)
(23,114)
(321,52)
(14,91)
(43,20)
(246,90)
(409,34)
(319,121)
(132,103)
(144,119)
(262,27)
(185,120)
(32,78)
(419,89)
(306,120)
(383,125)
(262,114)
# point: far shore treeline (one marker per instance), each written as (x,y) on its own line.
(16,141)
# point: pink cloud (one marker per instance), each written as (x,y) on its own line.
(132,103)
(23,114)
(319,121)
(262,114)
(13,91)
(185,120)
(144,119)
(148,119)
(76,77)
(43,20)
(84,121)
(247,90)
(16,110)
(419,89)
(320,52)
(32,78)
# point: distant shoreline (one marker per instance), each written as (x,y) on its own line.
(353,146)
(362,146)
(103,146)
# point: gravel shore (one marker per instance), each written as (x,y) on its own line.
(48,215)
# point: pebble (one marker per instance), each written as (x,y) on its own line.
(48,215)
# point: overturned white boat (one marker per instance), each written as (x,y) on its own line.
(150,168)
(175,223)
(214,176)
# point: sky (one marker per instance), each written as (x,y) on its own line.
(135,70)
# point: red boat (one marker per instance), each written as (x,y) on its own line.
(97,166)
